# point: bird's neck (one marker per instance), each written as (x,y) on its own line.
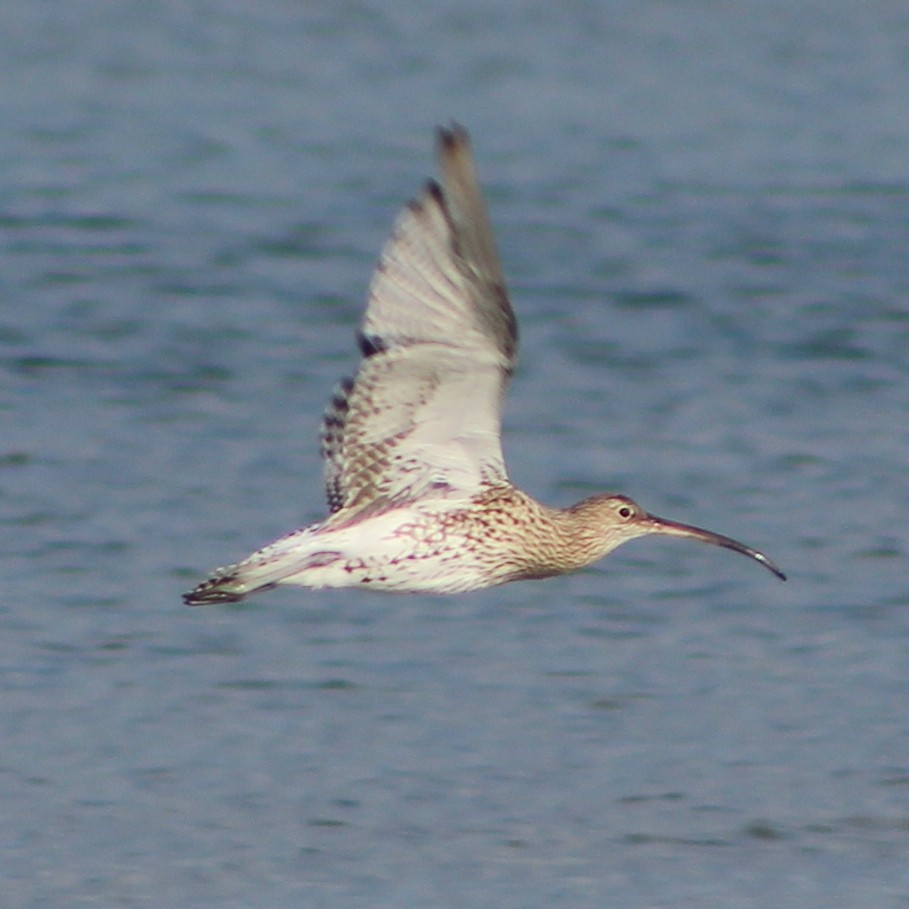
(538,541)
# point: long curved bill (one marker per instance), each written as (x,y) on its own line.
(675,529)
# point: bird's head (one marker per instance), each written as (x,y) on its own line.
(616,519)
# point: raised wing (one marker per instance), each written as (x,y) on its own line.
(439,340)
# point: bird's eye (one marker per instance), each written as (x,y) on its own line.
(625,512)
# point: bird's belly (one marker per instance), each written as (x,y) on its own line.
(402,552)
(402,573)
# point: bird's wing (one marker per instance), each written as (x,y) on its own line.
(439,340)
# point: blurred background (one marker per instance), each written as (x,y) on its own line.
(703,212)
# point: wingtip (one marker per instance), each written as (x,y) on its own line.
(452,137)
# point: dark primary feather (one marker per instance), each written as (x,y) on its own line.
(438,331)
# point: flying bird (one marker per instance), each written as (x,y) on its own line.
(418,495)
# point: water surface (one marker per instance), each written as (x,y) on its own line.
(704,217)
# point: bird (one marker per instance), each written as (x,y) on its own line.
(419,499)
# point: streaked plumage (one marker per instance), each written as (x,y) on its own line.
(418,494)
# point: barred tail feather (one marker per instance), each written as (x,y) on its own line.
(264,569)
(226,585)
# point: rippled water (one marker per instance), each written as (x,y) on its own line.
(704,216)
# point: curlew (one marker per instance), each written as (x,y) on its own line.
(418,495)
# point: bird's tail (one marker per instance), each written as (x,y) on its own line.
(226,585)
(268,567)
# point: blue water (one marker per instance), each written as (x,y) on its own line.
(703,212)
